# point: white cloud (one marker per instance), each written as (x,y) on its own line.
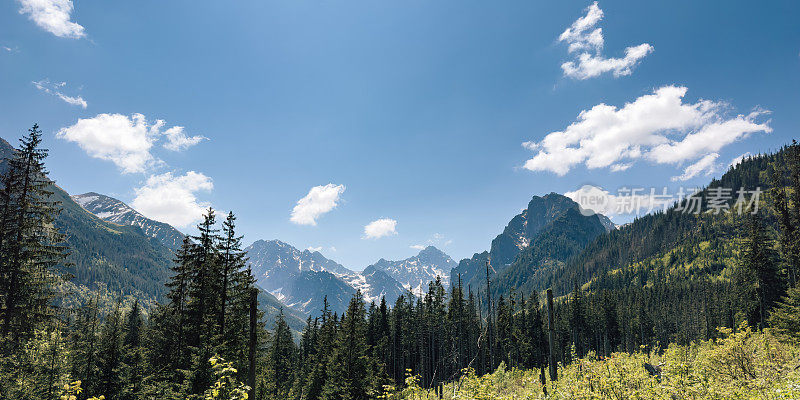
(658,127)
(125,141)
(586,42)
(739,159)
(318,201)
(177,140)
(592,65)
(578,35)
(705,166)
(380,228)
(709,138)
(313,249)
(55,90)
(53,16)
(171,199)
(437,239)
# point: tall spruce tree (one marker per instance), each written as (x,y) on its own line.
(133,360)
(757,276)
(203,302)
(281,358)
(174,317)
(109,356)
(30,245)
(348,370)
(232,260)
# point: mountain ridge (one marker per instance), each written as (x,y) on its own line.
(415,272)
(523,231)
(118,212)
(302,278)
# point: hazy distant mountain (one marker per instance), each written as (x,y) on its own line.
(301,279)
(113,210)
(276,263)
(524,230)
(414,273)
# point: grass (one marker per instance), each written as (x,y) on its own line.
(742,365)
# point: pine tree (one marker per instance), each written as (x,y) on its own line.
(758,277)
(175,315)
(30,246)
(578,320)
(281,358)
(348,371)
(133,360)
(305,357)
(237,326)
(83,344)
(534,327)
(203,302)
(785,318)
(456,316)
(502,344)
(109,356)
(326,338)
(232,259)
(790,249)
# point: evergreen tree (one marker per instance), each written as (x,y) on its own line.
(349,370)
(534,328)
(789,239)
(785,318)
(233,260)
(577,320)
(133,360)
(109,356)
(175,315)
(203,302)
(757,277)
(30,246)
(314,383)
(281,359)
(83,344)
(503,338)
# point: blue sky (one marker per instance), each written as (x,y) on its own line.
(418,109)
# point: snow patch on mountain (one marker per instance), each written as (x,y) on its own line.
(416,272)
(115,211)
(279,266)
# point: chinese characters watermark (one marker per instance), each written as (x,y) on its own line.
(639,201)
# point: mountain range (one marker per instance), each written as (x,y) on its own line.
(550,244)
(302,279)
(117,248)
(415,272)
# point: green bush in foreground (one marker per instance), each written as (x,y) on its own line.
(742,365)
